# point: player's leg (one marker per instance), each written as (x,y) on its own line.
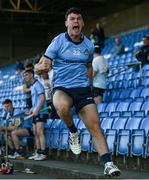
(16,134)
(37,144)
(10,145)
(63,103)
(90,117)
(41,141)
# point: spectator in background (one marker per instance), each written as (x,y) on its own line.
(99,31)
(39,118)
(119,48)
(19,67)
(100,69)
(97,35)
(26,86)
(93,37)
(142,55)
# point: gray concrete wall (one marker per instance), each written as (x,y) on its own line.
(18,42)
(125,20)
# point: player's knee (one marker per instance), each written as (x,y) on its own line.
(40,133)
(63,109)
(14,133)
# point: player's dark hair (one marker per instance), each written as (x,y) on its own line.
(74,10)
(31,71)
(28,65)
(7,101)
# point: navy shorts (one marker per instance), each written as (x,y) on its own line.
(81,96)
(30,131)
(40,118)
(98,91)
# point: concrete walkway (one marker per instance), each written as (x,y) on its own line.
(69,170)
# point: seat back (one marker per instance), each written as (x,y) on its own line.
(137,142)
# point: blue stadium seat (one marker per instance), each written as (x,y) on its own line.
(101,107)
(85,140)
(125,93)
(111,107)
(136,92)
(47,127)
(145,82)
(137,142)
(53,134)
(122,106)
(145,93)
(107,123)
(124,135)
(133,123)
(126,114)
(123,142)
(119,123)
(64,135)
(145,107)
(111,135)
(135,106)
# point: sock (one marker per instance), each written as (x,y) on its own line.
(18,151)
(12,151)
(106,158)
(38,151)
(43,151)
(72,128)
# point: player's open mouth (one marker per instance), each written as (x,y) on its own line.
(76,27)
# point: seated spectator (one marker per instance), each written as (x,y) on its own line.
(14,127)
(100,70)
(119,48)
(142,54)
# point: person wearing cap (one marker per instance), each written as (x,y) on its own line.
(100,69)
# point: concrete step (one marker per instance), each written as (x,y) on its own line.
(73,170)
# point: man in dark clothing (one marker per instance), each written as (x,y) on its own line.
(142,55)
(97,35)
(99,31)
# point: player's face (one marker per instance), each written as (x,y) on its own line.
(27,76)
(74,24)
(8,107)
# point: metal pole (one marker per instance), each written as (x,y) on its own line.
(6,132)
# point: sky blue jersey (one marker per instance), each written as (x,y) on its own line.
(9,116)
(36,90)
(69,61)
